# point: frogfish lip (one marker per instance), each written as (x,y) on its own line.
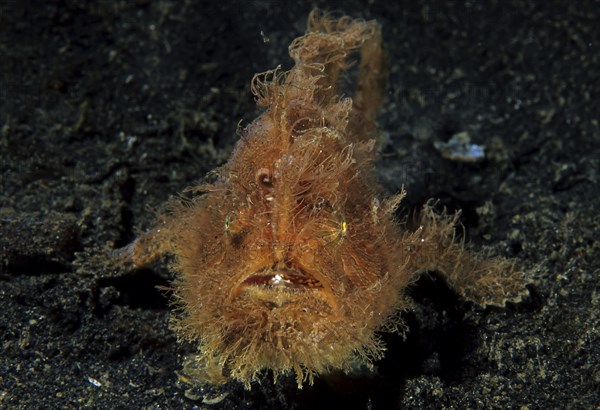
(282,278)
(285,285)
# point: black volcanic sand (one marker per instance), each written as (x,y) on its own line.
(109,108)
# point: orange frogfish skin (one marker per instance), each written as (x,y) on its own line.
(291,260)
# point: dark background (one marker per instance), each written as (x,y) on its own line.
(109,108)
